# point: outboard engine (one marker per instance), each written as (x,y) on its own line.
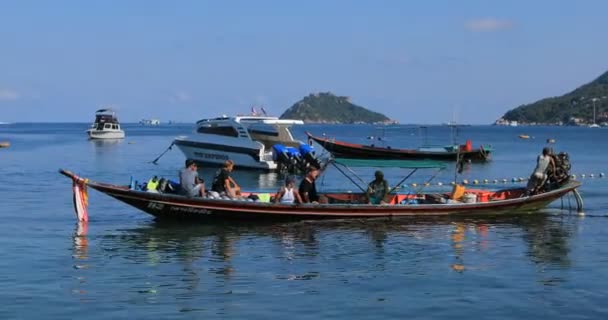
(287,158)
(309,157)
(562,168)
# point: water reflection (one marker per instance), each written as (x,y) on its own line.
(220,254)
(80,255)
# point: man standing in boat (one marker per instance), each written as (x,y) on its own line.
(544,163)
(308,188)
(191,184)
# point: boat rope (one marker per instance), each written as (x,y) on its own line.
(162,154)
(349,178)
(485,182)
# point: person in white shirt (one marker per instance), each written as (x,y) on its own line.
(288,193)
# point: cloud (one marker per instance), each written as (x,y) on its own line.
(488,25)
(9,95)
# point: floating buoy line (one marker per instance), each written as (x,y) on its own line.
(492,181)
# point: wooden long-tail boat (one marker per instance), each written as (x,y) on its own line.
(337,205)
(360,151)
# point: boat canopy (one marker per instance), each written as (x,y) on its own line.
(106,110)
(408,164)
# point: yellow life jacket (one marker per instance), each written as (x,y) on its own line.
(152,184)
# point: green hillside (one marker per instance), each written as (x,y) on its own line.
(575,107)
(329,108)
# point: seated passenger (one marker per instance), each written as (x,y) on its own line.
(191,185)
(288,193)
(377,190)
(308,188)
(223,182)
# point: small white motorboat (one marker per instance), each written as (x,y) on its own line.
(106,126)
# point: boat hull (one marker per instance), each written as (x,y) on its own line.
(215,154)
(359,151)
(167,206)
(106,134)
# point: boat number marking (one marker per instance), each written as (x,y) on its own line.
(156,205)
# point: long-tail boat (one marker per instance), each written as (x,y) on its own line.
(336,204)
(360,151)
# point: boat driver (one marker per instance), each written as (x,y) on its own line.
(544,163)
(191,184)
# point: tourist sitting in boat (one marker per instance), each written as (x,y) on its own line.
(377,190)
(308,188)
(191,185)
(223,183)
(544,164)
(288,193)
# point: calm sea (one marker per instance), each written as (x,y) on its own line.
(126,265)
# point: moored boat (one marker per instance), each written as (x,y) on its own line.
(360,151)
(253,142)
(106,126)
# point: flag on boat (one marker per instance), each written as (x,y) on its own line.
(81,199)
(253,111)
(264,111)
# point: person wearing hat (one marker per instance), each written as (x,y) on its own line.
(377,190)
(288,192)
(191,184)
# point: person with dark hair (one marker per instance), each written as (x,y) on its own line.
(378,189)
(288,193)
(223,182)
(544,164)
(191,185)
(308,188)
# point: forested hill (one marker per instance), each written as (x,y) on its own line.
(575,107)
(329,108)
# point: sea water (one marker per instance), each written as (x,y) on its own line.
(125,265)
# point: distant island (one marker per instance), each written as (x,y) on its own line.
(326,107)
(574,108)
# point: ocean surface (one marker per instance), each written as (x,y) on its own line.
(125,265)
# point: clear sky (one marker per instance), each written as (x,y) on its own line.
(415,61)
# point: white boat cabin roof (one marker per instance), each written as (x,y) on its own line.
(251,120)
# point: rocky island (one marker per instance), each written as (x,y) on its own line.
(326,107)
(586,105)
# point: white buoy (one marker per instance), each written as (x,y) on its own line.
(504,180)
(573,176)
(439,183)
(601,174)
(465,181)
(583,176)
(591,176)
(495,181)
(475,181)
(485,180)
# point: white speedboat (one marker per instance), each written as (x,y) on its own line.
(106,126)
(254,142)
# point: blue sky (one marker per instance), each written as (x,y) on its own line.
(415,61)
